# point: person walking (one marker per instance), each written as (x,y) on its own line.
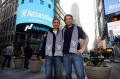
(52,51)
(8,54)
(71,48)
(28,54)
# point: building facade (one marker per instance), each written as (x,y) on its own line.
(8,34)
(107,13)
(99,24)
(8,11)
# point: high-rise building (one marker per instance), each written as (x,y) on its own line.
(2,1)
(8,20)
(58,1)
(75,13)
(99,24)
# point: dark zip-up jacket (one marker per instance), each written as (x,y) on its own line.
(44,44)
(68,35)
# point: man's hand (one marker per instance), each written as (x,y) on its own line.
(43,60)
(81,51)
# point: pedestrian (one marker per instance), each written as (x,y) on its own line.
(28,54)
(71,48)
(0,51)
(52,51)
(8,54)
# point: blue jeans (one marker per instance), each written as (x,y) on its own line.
(51,62)
(77,62)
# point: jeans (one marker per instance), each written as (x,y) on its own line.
(51,62)
(77,62)
(26,62)
(7,59)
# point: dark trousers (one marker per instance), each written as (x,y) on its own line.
(7,59)
(26,62)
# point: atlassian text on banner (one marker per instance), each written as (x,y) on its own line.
(28,13)
(114,6)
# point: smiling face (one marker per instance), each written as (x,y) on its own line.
(56,23)
(68,20)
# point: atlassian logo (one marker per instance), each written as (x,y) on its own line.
(35,28)
(35,14)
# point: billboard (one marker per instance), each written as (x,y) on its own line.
(34,15)
(113,28)
(111,6)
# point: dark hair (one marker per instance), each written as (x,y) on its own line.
(55,19)
(10,44)
(68,15)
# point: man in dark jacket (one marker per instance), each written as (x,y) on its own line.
(28,53)
(52,51)
(71,48)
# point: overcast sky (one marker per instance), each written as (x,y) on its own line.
(87,16)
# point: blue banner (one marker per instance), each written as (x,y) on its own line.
(31,13)
(111,6)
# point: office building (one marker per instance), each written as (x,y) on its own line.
(99,24)
(75,13)
(11,33)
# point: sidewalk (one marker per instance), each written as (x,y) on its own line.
(115,73)
(13,73)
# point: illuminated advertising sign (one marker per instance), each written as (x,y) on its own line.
(111,6)
(34,15)
(114,28)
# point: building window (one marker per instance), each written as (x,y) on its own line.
(14,21)
(42,2)
(0,40)
(6,38)
(22,2)
(6,29)
(2,25)
(10,10)
(13,7)
(8,24)
(49,6)
(9,38)
(52,0)
(31,1)
(5,24)
(16,5)
(3,40)
(12,36)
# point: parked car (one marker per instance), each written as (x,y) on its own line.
(86,57)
